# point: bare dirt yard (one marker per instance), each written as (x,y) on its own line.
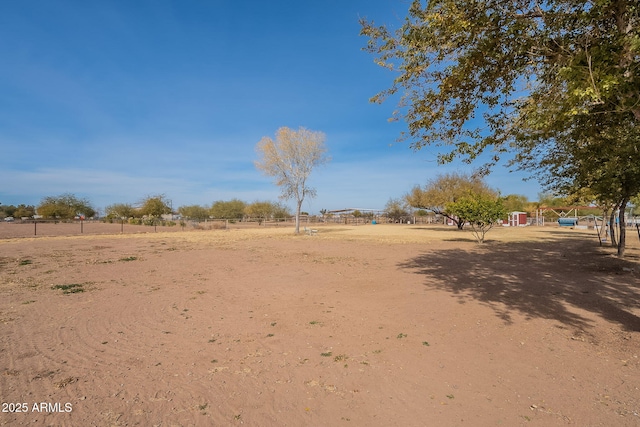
(376,325)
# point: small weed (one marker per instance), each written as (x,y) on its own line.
(212,340)
(450,396)
(65,382)
(274,323)
(377,351)
(105,342)
(26,262)
(28,302)
(327,354)
(401,335)
(269,335)
(73,288)
(203,406)
(237,417)
(340,358)
(129,258)
(214,360)
(315,322)
(425,343)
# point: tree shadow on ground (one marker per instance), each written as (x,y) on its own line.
(541,279)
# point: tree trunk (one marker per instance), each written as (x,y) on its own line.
(612,227)
(623,228)
(298,208)
(602,233)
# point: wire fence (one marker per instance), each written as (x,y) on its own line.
(41,228)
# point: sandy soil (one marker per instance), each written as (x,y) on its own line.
(355,326)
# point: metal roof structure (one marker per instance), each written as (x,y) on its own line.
(351,210)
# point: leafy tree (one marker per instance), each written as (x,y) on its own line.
(557,83)
(445,189)
(516,64)
(232,209)
(155,206)
(266,210)
(290,159)
(25,211)
(481,211)
(120,210)
(65,206)
(194,212)
(7,210)
(515,203)
(596,156)
(397,209)
(280,211)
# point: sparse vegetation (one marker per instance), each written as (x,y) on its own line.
(72,288)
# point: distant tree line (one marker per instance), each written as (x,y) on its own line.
(20,211)
(69,206)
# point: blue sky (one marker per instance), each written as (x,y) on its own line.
(118,100)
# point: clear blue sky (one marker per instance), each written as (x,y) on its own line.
(118,100)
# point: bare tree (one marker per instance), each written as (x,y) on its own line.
(290,159)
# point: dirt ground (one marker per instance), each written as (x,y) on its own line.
(376,325)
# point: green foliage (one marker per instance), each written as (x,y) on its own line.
(72,288)
(25,211)
(280,211)
(481,211)
(516,203)
(263,211)
(119,210)
(20,211)
(7,210)
(520,66)
(65,206)
(231,209)
(155,206)
(595,155)
(194,212)
(445,189)
(555,83)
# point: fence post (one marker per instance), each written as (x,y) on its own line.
(35,231)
